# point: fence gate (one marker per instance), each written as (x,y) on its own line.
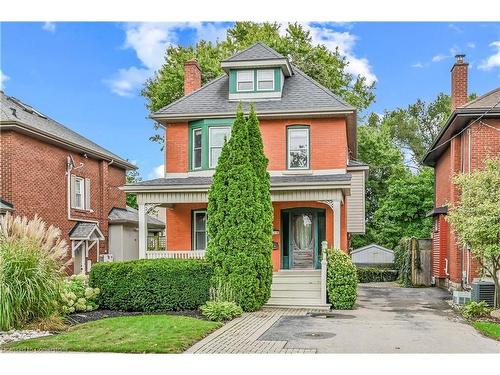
(421,262)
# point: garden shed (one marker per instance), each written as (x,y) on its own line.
(372,255)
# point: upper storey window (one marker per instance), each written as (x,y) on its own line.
(217,135)
(265,79)
(206,139)
(244,80)
(298,153)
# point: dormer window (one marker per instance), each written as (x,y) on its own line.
(244,80)
(265,79)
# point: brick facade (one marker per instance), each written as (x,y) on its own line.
(33,178)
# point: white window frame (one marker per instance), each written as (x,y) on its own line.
(195,231)
(210,147)
(193,159)
(238,80)
(259,72)
(289,159)
(80,182)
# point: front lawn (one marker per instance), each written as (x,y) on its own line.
(127,334)
(489,329)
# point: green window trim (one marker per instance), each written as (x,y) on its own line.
(233,81)
(204,126)
(296,127)
(195,230)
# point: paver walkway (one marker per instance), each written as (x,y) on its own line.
(241,335)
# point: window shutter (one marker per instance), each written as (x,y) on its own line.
(72,191)
(87,193)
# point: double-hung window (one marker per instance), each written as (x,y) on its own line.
(216,142)
(244,80)
(265,80)
(197,148)
(298,147)
(80,192)
(199,230)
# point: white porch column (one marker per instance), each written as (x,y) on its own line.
(324,264)
(336,224)
(143,231)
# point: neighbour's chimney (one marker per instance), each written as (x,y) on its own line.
(192,76)
(459,82)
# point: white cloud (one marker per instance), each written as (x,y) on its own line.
(494,60)
(49,26)
(345,42)
(471,45)
(439,57)
(418,65)
(455,28)
(3,78)
(158,172)
(149,40)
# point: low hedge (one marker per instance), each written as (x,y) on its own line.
(152,285)
(371,274)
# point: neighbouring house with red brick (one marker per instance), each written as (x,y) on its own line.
(46,169)
(309,136)
(469,137)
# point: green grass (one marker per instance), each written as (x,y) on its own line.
(129,334)
(489,329)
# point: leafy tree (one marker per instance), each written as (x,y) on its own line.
(132,177)
(326,66)
(402,209)
(235,230)
(476,218)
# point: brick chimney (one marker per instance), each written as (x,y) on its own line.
(192,76)
(459,82)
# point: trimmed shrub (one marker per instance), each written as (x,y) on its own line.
(238,221)
(220,311)
(77,296)
(342,280)
(152,285)
(372,274)
(31,271)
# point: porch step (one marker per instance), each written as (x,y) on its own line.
(309,303)
(296,294)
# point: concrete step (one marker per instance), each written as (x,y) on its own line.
(296,294)
(297,273)
(296,286)
(313,303)
(298,280)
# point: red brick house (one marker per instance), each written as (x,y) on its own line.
(67,180)
(470,136)
(309,135)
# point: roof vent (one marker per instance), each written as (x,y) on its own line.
(14,113)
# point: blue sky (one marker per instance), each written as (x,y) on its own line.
(88,75)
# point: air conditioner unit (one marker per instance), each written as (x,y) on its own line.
(106,258)
(461,298)
(483,291)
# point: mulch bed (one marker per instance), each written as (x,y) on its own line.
(84,317)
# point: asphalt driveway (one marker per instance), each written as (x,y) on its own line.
(387,319)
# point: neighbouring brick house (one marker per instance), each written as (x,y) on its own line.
(309,136)
(469,137)
(46,169)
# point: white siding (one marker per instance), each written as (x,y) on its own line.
(372,254)
(356,203)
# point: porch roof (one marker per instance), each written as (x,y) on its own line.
(85,231)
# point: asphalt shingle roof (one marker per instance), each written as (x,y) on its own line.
(83,230)
(275,180)
(13,110)
(259,51)
(300,93)
(131,215)
(488,100)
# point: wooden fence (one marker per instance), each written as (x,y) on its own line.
(421,261)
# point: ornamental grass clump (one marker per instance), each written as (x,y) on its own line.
(221,306)
(77,296)
(31,270)
(342,280)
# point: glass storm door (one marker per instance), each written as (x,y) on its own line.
(302,240)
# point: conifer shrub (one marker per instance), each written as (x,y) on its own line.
(342,280)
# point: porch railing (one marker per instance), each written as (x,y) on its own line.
(176,254)
(156,242)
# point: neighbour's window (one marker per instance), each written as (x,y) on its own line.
(79,188)
(80,192)
(298,148)
(244,80)
(197,148)
(216,141)
(199,230)
(265,80)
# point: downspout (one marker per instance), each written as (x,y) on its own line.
(68,193)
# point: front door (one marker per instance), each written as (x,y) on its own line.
(302,239)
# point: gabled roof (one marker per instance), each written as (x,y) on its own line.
(5,206)
(85,231)
(485,106)
(24,118)
(372,246)
(301,94)
(130,215)
(258,51)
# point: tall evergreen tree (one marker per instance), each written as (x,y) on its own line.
(234,228)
